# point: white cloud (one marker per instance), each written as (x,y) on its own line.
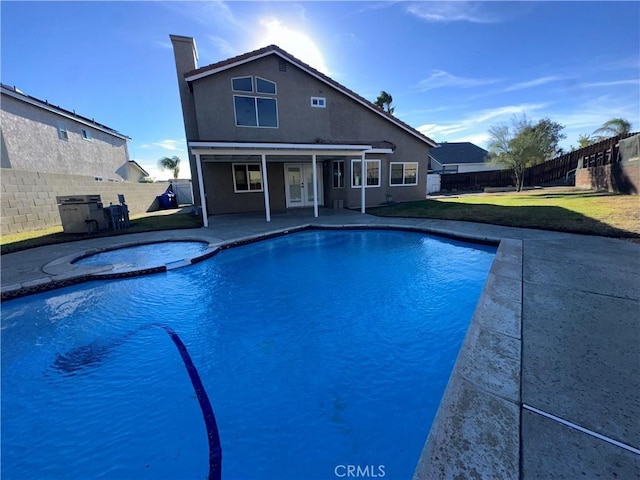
(297,43)
(534,83)
(613,83)
(455,11)
(476,125)
(171,145)
(441,79)
(224,47)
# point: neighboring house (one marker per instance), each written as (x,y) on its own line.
(132,171)
(40,137)
(460,157)
(267,132)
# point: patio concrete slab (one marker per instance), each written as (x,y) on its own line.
(581,359)
(552,450)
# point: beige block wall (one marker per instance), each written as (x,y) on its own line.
(28,199)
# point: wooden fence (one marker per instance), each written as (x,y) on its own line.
(560,170)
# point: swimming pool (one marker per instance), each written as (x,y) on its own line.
(318,350)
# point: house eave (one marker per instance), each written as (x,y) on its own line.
(244,148)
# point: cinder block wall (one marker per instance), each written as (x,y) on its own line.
(28,199)
(614,178)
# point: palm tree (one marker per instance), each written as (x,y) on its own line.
(384,101)
(613,128)
(172,164)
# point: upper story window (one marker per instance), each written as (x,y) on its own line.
(318,102)
(242,84)
(255,111)
(253,84)
(265,86)
(62,131)
(86,134)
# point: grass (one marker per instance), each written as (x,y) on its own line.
(563,210)
(50,236)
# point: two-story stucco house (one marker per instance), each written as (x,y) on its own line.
(38,136)
(268,132)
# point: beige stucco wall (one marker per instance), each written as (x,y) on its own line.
(30,142)
(343,120)
(28,199)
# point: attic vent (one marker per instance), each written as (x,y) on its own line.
(282,65)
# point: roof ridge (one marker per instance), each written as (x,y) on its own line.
(278,50)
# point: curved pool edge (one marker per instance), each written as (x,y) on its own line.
(62,272)
(476,430)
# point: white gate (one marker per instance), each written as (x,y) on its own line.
(184,192)
(433,183)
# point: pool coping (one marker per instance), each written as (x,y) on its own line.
(476,431)
(62,272)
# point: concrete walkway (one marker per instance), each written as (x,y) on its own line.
(547,383)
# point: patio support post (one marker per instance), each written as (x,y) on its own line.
(363,182)
(265,185)
(314,176)
(203,202)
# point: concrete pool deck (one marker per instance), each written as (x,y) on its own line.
(547,382)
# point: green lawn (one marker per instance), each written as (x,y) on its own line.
(564,210)
(21,241)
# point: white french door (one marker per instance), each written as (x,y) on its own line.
(298,183)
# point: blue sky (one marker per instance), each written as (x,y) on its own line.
(453,68)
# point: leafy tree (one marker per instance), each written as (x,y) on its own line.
(613,128)
(585,141)
(172,164)
(384,101)
(524,144)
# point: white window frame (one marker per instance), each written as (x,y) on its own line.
(404,183)
(86,134)
(366,163)
(243,91)
(246,167)
(332,173)
(255,87)
(320,102)
(255,104)
(63,133)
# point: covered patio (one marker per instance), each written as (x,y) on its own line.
(269,153)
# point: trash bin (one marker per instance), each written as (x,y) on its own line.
(167,200)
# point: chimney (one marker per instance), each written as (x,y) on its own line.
(186,58)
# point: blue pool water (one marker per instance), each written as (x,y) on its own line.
(317,350)
(145,256)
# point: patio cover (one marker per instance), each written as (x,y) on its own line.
(198,149)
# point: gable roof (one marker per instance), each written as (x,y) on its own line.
(275,50)
(45,105)
(133,163)
(458,152)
